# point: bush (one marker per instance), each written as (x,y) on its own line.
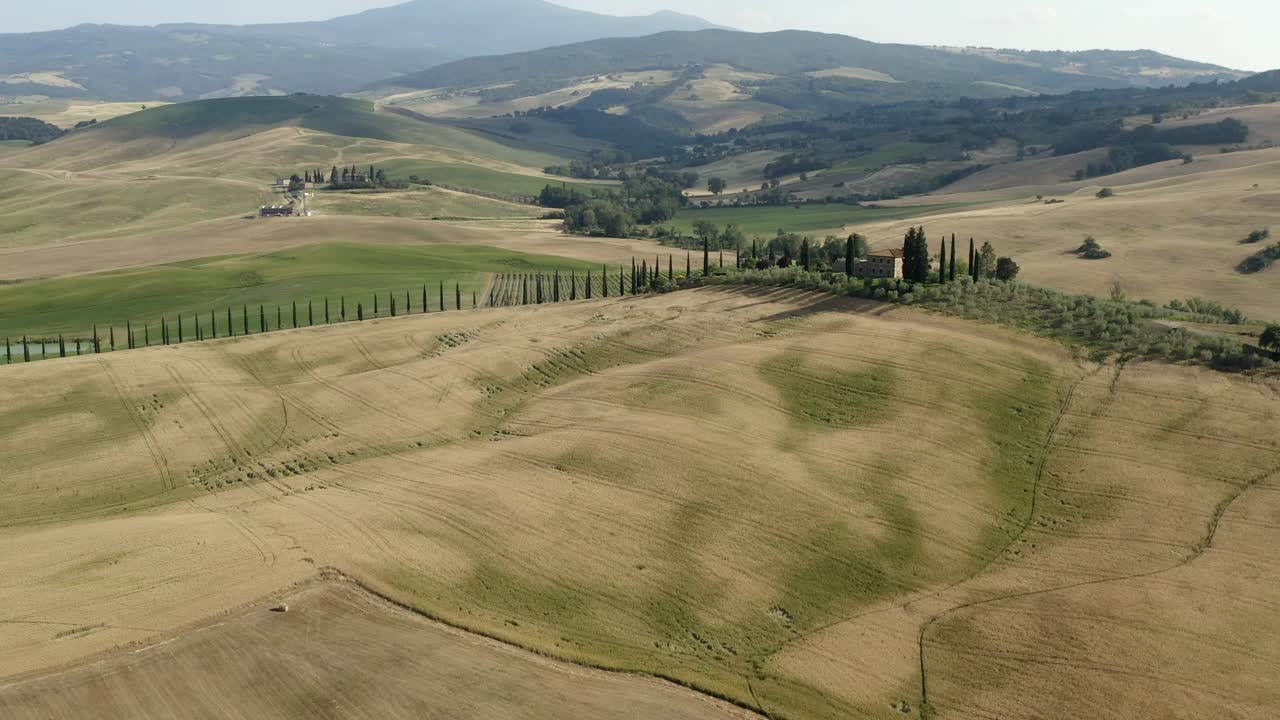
(1092,250)
(1258,236)
(1106,193)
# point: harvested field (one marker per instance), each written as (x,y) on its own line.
(339,652)
(778,497)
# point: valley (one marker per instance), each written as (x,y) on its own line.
(593,366)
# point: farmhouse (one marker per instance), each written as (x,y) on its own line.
(289,210)
(880,264)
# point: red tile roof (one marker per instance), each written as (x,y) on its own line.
(892,252)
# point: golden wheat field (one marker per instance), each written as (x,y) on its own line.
(806,506)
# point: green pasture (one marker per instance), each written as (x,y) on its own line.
(312,273)
(767,220)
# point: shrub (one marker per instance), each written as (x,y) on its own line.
(1106,193)
(1258,236)
(1092,250)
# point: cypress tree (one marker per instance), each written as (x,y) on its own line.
(588,284)
(164,331)
(375,304)
(622,282)
(848,257)
(555,289)
(425,305)
(644,274)
(671,272)
(942,262)
(474,305)
(295,313)
(342,312)
(392,303)
(804,255)
(604,281)
(573,286)
(524,291)
(62,347)
(326,308)
(442,305)
(952,275)
(8,352)
(706,257)
(245,310)
(26,351)
(972,271)
(111,331)
(408,307)
(97,342)
(213,324)
(146,335)
(262,319)
(128,328)
(457,296)
(360,312)
(721,257)
(688,263)
(633,276)
(180,333)
(754,251)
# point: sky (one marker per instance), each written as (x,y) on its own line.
(1235,33)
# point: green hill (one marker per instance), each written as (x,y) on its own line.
(790,53)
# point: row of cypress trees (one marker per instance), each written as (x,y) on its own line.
(539,288)
(190,327)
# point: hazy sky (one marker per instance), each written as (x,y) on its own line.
(1238,33)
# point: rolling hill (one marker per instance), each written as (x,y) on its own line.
(814,507)
(190,61)
(795,52)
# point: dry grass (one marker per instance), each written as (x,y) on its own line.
(340,652)
(66,113)
(767,495)
(1174,230)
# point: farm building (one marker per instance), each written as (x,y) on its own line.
(880,264)
(289,210)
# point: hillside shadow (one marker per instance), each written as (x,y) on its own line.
(810,302)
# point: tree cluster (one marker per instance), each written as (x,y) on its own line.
(29,129)
(645,199)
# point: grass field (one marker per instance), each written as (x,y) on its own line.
(1174,230)
(767,220)
(356,272)
(420,203)
(474,177)
(815,507)
(66,113)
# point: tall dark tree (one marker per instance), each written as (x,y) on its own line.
(425,305)
(457,295)
(952,276)
(973,265)
(262,319)
(295,314)
(442,305)
(604,281)
(671,272)
(213,324)
(848,257)
(128,328)
(244,311)
(688,263)
(942,261)
(588,284)
(706,257)
(804,255)
(1006,269)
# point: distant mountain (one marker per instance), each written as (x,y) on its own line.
(472,27)
(793,53)
(190,61)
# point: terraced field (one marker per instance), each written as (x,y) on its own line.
(809,506)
